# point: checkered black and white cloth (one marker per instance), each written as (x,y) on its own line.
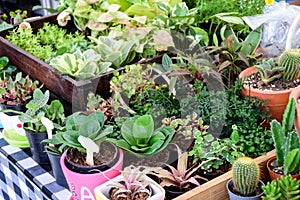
(21,178)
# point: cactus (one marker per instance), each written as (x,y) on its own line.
(268,70)
(290,61)
(286,140)
(245,175)
(283,188)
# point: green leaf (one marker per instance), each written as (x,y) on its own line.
(166,61)
(143,129)
(252,41)
(215,39)
(291,162)
(89,129)
(126,131)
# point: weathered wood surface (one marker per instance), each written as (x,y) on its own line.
(216,188)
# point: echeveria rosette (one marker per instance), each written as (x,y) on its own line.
(140,138)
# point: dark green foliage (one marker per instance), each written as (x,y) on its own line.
(252,142)
(157,101)
(220,110)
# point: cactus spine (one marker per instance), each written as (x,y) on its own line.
(245,175)
(290,61)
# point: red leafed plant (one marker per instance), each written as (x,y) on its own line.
(182,176)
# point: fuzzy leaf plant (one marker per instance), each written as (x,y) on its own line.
(139,137)
(282,188)
(245,175)
(286,141)
(84,133)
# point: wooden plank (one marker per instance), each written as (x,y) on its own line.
(216,188)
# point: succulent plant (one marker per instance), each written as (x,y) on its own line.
(16,90)
(245,175)
(80,65)
(140,138)
(283,188)
(286,140)
(181,176)
(134,182)
(268,70)
(290,61)
(83,132)
(117,52)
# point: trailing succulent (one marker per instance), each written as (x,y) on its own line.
(282,188)
(245,175)
(139,137)
(286,140)
(16,90)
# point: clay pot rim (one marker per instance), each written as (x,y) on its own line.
(253,70)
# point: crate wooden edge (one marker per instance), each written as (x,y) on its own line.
(216,188)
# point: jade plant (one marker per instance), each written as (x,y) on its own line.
(245,175)
(282,188)
(139,137)
(286,141)
(84,133)
(290,61)
(16,90)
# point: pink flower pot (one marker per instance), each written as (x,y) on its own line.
(82,185)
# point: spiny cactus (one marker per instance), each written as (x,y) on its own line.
(290,61)
(245,175)
(283,188)
(268,70)
(286,140)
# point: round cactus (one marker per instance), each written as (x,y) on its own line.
(290,61)
(245,175)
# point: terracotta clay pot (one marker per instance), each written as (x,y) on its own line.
(296,95)
(274,175)
(275,100)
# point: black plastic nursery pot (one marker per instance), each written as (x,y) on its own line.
(56,169)
(19,107)
(37,147)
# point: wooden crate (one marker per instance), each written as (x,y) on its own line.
(216,188)
(70,90)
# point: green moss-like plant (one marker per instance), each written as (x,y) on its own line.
(245,175)
(290,61)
